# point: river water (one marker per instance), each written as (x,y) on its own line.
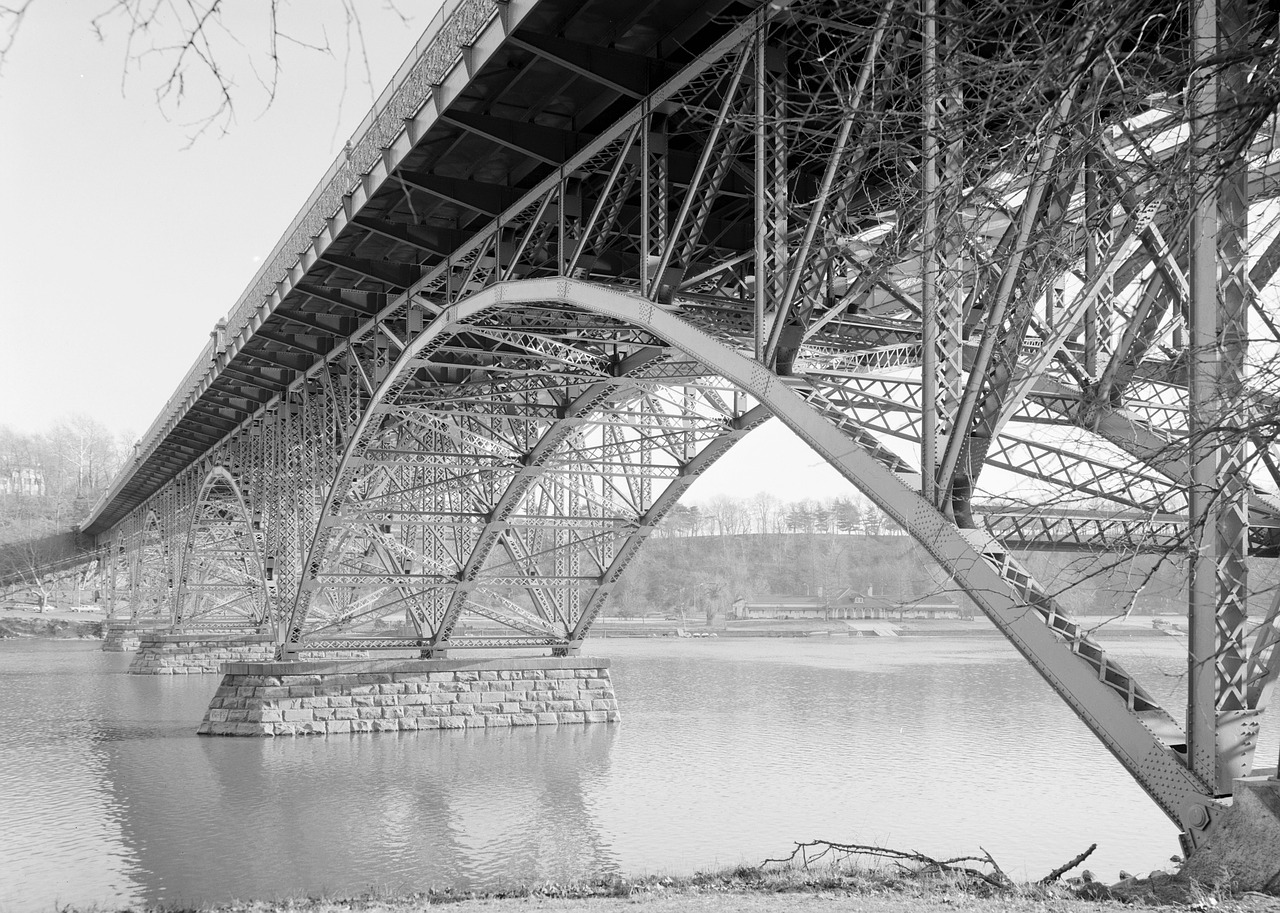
(730,750)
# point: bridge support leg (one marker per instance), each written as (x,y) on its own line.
(393,695)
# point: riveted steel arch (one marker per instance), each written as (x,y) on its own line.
(152,584)
(623,406)
(1138,732)
(221,581)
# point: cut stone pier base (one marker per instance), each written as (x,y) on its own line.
(381,695)
(123,636)
(1241,846)
(182,654)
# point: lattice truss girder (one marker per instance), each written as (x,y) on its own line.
(500,478)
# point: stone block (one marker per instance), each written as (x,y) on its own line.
(547,719)
(596,716)
(297,716)
(452,722)
(523,719)
(570,717)
(339,726)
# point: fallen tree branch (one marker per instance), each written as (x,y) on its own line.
(926,864)
(1067,866)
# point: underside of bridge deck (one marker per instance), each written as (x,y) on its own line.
(964,250)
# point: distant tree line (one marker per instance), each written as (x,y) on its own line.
(49,480)
(762,512)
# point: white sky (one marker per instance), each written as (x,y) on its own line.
(120,247)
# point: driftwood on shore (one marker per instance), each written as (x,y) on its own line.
(987,872)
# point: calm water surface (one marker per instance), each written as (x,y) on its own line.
(730,751)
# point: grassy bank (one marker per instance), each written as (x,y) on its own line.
(795,890)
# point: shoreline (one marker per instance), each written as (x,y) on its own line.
(930,887)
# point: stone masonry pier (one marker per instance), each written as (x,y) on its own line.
(184,654)
(332,697)
(124,636)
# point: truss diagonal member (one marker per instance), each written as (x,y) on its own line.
(702,187)
(1028,375)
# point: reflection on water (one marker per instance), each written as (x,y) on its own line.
(730,751)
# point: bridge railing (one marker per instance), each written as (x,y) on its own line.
(436,52)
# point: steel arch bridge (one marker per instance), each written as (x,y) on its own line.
(578,251)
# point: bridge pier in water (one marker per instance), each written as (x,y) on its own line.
(335,697)
(125,636)
(187,653)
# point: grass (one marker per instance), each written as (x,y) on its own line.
(826,887)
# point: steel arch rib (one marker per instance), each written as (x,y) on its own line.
(216,475)
(1130,737)
(151,521)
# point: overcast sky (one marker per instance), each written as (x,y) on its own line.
(122,242)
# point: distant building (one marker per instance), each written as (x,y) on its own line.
(847,604)
(21,480)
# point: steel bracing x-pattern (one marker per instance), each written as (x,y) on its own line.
(1010,276)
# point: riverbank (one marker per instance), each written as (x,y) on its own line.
(748,890)
(54,628)
(1140,626)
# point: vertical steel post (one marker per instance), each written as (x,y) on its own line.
(1202,392)
(1237,721)
(761,201)
(929,252)
(1221,725)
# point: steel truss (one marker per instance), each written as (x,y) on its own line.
(453,421)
